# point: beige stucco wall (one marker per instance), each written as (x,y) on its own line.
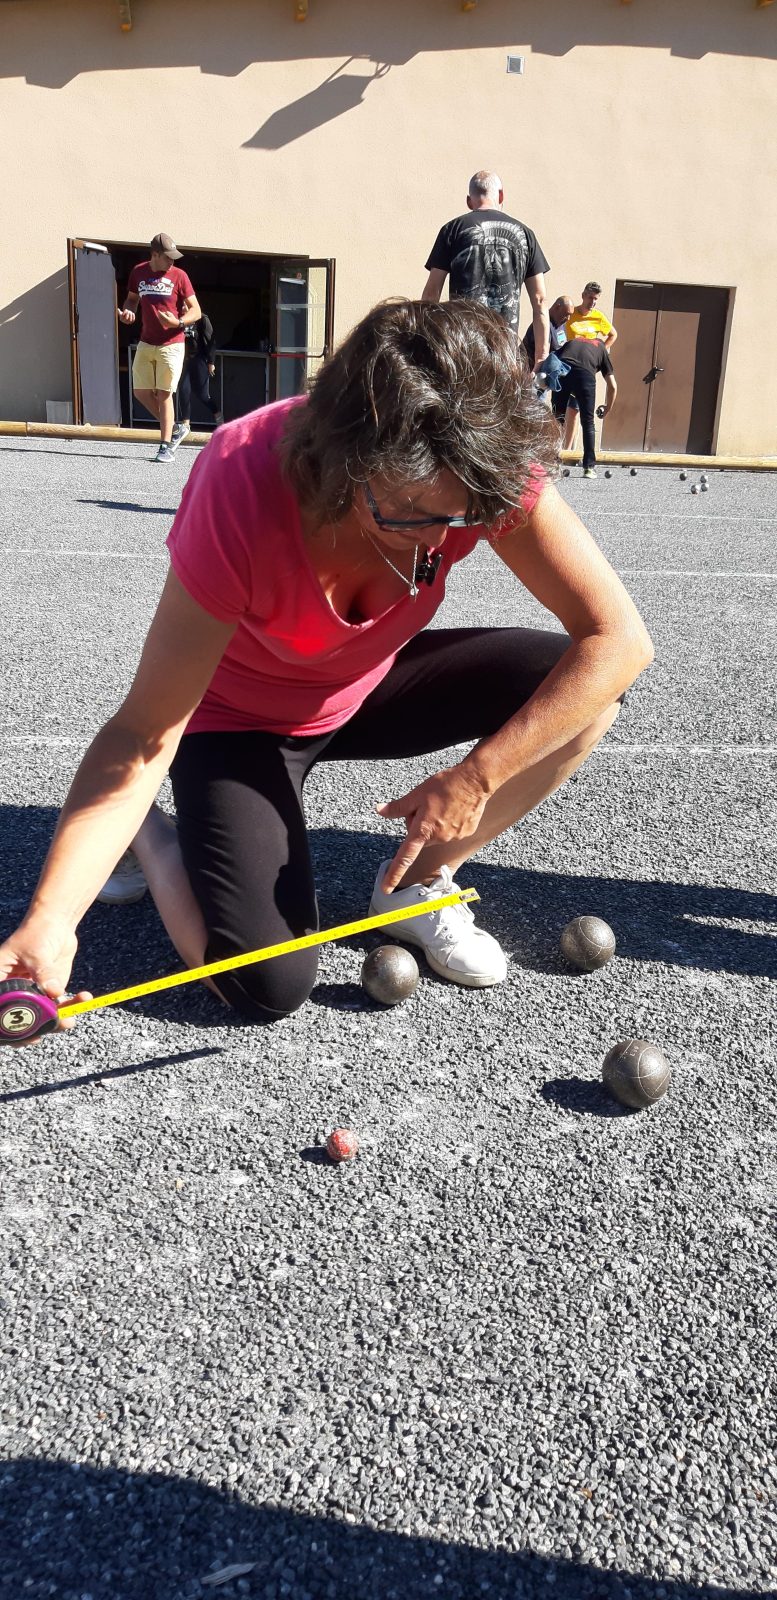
(639,143)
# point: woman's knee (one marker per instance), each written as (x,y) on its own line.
(269,990)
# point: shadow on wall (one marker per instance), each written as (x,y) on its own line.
(35,339)
(331,99)
(46,43)
(109,1534)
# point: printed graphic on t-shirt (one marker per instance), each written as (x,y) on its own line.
(490,267)
(489,256)
(157,288)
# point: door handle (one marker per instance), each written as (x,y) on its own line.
(652,374)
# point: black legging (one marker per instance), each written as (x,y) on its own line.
(238,796)
(195,380)
(581,384)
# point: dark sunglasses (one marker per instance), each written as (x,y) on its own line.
(398,526)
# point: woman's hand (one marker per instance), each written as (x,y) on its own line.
(447,806)
(42,949)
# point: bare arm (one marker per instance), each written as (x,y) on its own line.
(191,313)
(191,310)
(434,285)
(611,337)
(535,288)
(127,312)
(124,766)
(612,390)
(559,562)
(117,781)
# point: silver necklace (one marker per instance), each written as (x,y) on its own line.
(411,583)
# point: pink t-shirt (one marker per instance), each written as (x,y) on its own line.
(293,666)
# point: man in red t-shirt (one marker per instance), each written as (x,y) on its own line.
(168,305)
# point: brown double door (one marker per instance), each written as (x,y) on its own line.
(668,362)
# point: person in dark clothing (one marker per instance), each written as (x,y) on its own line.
(549,373)
(198,369)
(490,257)
(558,313)
(585,357)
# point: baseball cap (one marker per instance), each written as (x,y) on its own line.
(164,244)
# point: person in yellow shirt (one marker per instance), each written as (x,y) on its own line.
(588,323)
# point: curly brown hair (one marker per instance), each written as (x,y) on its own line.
(415,388)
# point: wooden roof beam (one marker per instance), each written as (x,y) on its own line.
(758,3)
(302,10)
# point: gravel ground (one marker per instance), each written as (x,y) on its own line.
(525,1344)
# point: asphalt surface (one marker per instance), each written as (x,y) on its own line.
(524,1345)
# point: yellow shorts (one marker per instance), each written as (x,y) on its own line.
(158,366)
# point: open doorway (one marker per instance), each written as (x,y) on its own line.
(669,361)
(273,320)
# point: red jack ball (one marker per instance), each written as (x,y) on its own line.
(342,1145)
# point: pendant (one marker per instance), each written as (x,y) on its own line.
(413,591)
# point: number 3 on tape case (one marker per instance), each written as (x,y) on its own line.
(25,1012)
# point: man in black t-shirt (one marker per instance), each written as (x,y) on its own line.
(585,357)
(490,256)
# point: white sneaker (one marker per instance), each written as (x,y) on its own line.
(180,432)
(453,946)
(590,472)
(126,883)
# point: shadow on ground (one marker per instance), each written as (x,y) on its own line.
(131,505)
(75,452)
(107,1076)
(670,924)
(583,1095)
(116,1535)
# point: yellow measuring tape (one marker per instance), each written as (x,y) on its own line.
(344,931)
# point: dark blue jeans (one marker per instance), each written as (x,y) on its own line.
(195,380)
(582,385)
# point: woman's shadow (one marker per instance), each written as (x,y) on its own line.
(117,1535)
(670,923)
